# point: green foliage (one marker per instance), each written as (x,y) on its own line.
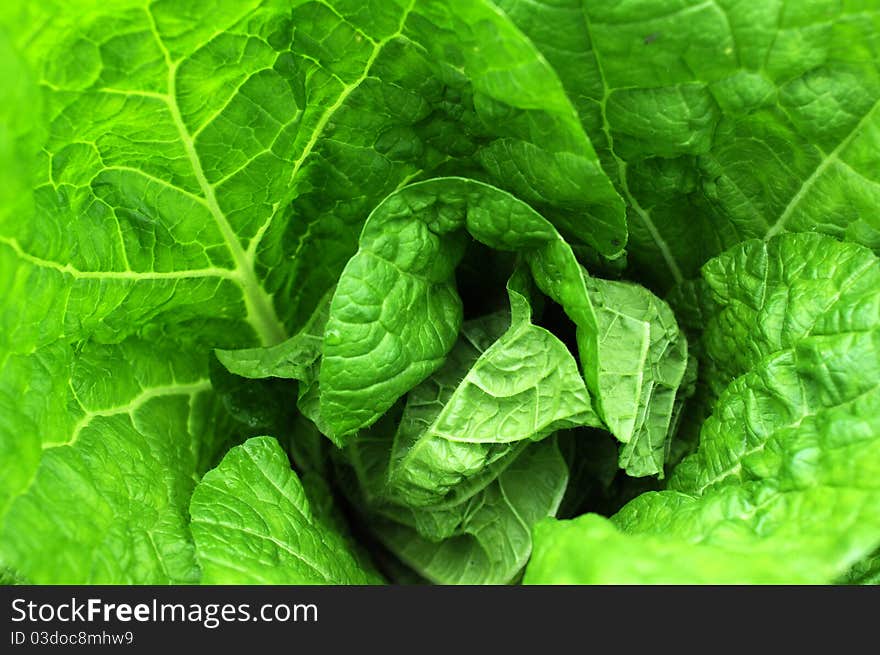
(380,234)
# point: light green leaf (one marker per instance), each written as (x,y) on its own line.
(642,361)
(124,431)
(18,129)
(523,387)
(590,550)
(394,316)
(766,298)
(253,524)
(795,326)
(449,482)
(823,529)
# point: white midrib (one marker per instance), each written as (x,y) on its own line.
(260,310)
(148,394)
(258,304)
(133,276)
(641,212)
(325,118)
(831,158)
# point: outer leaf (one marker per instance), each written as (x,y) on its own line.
(561,557)
(821,528)
(725,120)
(253,524)
(766,298)
(800,314)
(16,133)
(123,437)
(804,417)
(789,462)
(18,129)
